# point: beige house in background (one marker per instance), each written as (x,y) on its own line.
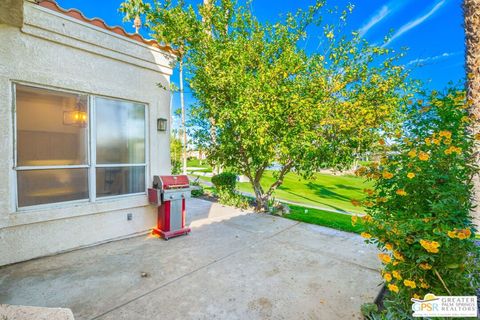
(79,144)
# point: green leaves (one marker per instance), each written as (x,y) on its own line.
(429,222)
(261,99)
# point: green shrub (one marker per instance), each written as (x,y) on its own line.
(419,211)
(197,191)
(225,181)
(234,199)
(176,166)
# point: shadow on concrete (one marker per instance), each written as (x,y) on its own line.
(234,264)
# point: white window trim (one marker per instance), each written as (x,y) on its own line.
(91,153)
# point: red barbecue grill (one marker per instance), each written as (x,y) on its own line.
(169,194)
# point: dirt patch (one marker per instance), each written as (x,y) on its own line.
(262,305)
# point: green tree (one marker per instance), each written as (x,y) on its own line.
(270,101)
(176,149)
(419,213)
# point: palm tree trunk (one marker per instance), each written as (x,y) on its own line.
(213,132)
(184,126)
(471,12)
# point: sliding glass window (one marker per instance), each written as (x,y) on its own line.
(120,147)
(52,146)
(59,160)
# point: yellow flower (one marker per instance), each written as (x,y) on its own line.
(368,204)
(381,199)
(387,175)
(368,191)
(393,288)
(381,142)
(416,296)
(447,141)
(452,234)
(354,220)
(428,141)
(395,263)
(397,275)
(461,236)
(445,133)
(465,119)
(409,283)
(453,149)
(467,232)
(410,175)
(388,246)
(401,192)
(361,171)
(367,218)
(430,246)
(425,266)
(387,276)
(424,285)
(423,156)
(385,258)
(366,235)
(355,203)
(436,141)
(398,256)
(412,153)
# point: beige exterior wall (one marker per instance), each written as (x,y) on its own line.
(56,51)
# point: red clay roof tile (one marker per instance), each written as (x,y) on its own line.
(74,13)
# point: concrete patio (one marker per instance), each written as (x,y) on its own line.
(233,265)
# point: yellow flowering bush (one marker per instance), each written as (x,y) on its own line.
(423,225)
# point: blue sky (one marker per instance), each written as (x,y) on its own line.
(430,29)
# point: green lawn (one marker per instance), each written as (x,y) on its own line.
(196,163)
(325,190)
(333,220)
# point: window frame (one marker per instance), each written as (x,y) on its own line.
(90,165)
(93,146)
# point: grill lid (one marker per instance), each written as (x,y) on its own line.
(174,182)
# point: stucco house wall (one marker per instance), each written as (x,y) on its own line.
(54,50)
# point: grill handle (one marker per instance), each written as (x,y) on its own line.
(157,183)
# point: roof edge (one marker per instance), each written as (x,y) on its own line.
(77,14)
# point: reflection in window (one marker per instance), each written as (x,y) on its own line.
(52,158)
(120,180)
(120,127)
(47,132)
(50,186)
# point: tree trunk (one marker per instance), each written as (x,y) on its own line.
(184,134)
(471,11)
(260,197)
(213,133)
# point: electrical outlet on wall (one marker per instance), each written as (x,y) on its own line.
(129,217)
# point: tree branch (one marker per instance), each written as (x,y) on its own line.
(286,169)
